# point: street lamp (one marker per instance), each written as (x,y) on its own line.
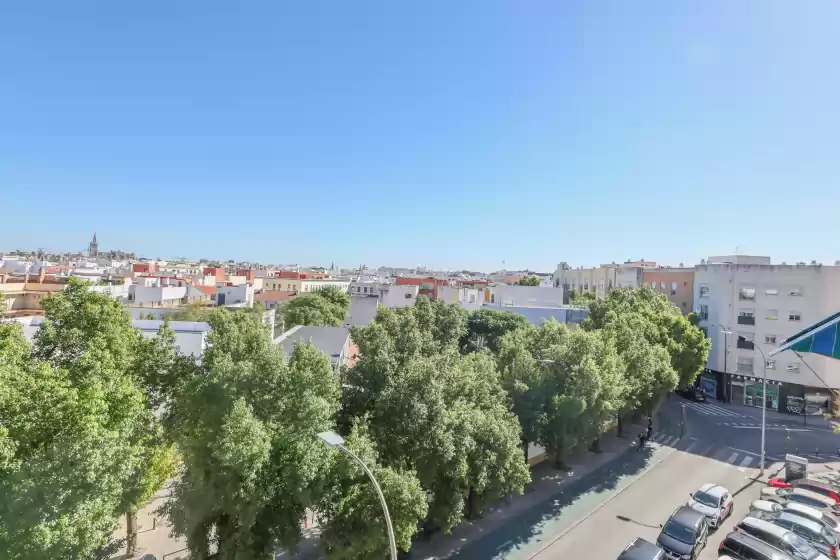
(337,442)
(763,396)
(727,379)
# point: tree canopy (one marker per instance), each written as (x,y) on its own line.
(486,327)
(327,307)
(434,412)
(246,427)
(79,442)
(529,280)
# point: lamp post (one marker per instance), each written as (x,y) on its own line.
(763,396)
(727,379)
(337,442)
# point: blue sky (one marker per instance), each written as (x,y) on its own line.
(451,134)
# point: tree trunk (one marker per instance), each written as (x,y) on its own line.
(525,449)
(619,427)
(131,532)
(470,502)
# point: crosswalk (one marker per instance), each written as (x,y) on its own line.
(709,409)
(769,426)
(739,458)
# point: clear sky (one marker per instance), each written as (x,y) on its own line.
(446,133)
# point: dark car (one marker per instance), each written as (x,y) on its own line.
(684,534)
(640,549)
(692,392)
(746,547)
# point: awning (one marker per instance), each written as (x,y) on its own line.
(820,338)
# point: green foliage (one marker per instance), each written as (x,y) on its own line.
(327,307)
(245,427)
(665,326)
(350,510)
(581,299)
(196,311)
(486,327)
(77,433)
(529,281)
(433,411)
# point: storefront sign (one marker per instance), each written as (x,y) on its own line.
(795,467)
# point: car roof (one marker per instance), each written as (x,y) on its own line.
(807,510)
(810,494)
(801,521)
(686,516)
(812,482)
(715,490)
(765,526)
(641,549)
(757,544)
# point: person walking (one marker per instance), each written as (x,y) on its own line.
(649,427)
(641,440)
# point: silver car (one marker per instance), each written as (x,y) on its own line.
(820,537)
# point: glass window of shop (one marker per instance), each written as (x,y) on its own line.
(753,392)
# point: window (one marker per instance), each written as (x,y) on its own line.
(746,294)
(794,316)
(744,343)
(662,285)
(685,284)
(704,312)
(704,291)
(365,290)
(746,317)
(771,292)
(673,288)
(795,292)
(770,364)
(408,295)
(793,368)
(684,305)
(653,285)
(772,314)
(744,365)
(586,286)
(769,339)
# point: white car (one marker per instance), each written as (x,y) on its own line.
(766,505)
(712,500)
(805,497)
(813,514)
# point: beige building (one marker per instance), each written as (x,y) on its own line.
(23,299)
(677,284)
(761,304)
(599,281)
(305,285)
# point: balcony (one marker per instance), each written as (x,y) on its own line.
(746,320)
(745,344)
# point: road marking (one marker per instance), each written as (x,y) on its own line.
(744,451)
(671,441)
(732,458)
(690,447)
(658,437)
(746,461)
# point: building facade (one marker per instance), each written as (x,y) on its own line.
(748,306)
(677,284)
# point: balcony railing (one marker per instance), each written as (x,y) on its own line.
(745,344)
(746,320)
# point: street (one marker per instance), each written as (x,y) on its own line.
(601,514)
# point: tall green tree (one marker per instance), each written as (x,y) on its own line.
(529,281)
(350,512)
(326,307)
(80,426)
(486,327)
(667,327)
(435,412)
(246,429)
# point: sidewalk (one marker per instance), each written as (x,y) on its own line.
(546,482)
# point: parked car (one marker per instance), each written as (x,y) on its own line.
(741,546)
(684,535)
(783,539)
(713,501)
(640,549)
(817,486)
(692,392)
(806,497)
(819,536)
(814,514)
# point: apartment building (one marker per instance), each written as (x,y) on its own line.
(761,304)
(677,284)
(600,280)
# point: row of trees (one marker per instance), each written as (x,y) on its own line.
(325,307)
(94,418)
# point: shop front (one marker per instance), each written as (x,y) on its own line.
(749,391)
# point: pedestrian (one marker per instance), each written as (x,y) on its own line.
(650,427)
(641,441)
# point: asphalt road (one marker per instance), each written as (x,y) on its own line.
(630,497)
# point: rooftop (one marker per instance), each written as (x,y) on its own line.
(329,340)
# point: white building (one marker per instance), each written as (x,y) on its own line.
(469,298)
(229,294)
(526,296)
(765,303)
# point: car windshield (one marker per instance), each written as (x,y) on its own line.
(706,499)
(830,521)
(829,536)
(800,547)
(679,532)
(807,500)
